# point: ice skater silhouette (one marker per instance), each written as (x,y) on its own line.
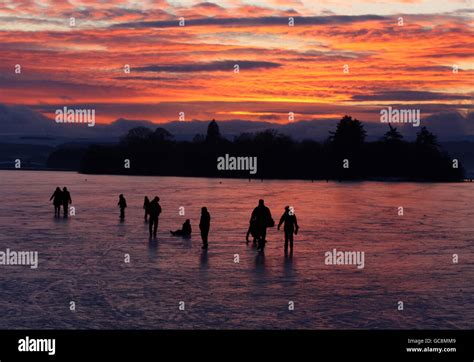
(204,226)
(251,231)
(146,207)
(154,212)
(122,203)
(290,227)
(57,198)
(66,200)
(262,219)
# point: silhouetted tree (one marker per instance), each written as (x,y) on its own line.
(161,135)
(213,133)
(392,135)
(349,133)
(199,138)
(346,145)
(425,137)
(271,137)
(136,136)
(245,137)
(66,157)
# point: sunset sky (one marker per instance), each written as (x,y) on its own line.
(283,68)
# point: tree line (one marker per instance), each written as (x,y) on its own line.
(345,155)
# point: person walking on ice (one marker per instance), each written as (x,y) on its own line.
(57,198)
(262,219)
(290,226)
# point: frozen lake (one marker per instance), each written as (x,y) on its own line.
(408,258)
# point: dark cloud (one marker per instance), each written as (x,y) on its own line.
(327,12)
(65,88)
(164,79)
(257,21)
(410,96)
(23,120)
(425,108)
(208,5)
(451,55)
(226,65)
(430,68)
(447,126)
(450,125)
(269,117)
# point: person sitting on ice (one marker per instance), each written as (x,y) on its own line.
(185,232)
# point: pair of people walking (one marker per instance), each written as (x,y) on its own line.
(261,219)
(61,198)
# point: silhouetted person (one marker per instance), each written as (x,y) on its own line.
(66,200)
(204,226)
(251,231)
(262,218)
(154,212)
(57,198)
(122,203)
(185,231)
(290,226)
(146,207)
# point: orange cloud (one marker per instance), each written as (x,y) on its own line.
(180,65)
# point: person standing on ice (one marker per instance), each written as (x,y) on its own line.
(290,227)
(154,212)
(122,203)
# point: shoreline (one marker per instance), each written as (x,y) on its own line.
(250,179)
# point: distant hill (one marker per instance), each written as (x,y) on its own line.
(20,124)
